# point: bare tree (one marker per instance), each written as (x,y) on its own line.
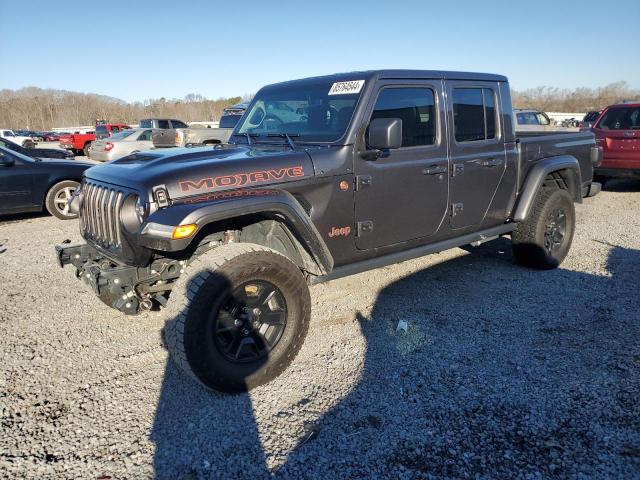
(42,109)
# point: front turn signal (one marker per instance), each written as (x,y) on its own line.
(183,231)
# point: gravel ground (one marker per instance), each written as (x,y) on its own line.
(503,372)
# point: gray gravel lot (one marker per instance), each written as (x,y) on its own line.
(503,373)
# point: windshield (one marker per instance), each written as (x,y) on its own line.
(621,118)
(123,134)
(313,111)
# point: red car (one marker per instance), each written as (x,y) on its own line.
(617,131)
(79,143)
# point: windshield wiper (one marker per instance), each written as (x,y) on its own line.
(287,136)
(247,135)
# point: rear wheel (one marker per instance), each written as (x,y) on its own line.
(237,317)
(543,240)
(86,148)
(28,144)
(57,200)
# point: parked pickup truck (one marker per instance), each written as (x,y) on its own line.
(325,177)
(79,143)
(192,136)
(174,133)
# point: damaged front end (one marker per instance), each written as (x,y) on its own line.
(126,288)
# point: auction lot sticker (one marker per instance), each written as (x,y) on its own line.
(346,88)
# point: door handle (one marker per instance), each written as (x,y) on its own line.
(492,162)
(434,170)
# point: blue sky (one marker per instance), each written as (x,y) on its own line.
(148,49)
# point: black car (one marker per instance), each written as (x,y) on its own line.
(30,184)
(36,152)
(231,115)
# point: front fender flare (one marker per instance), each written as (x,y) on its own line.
(536,177)
(202,211)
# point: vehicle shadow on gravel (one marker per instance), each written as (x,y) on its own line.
(503,372)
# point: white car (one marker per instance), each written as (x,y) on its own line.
(121,144)
(26,142)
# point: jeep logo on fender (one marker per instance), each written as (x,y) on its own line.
(241,179)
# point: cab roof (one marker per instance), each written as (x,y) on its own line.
(402,75)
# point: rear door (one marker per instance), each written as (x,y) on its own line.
(403,194)
(477,149)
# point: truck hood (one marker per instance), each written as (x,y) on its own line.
(194,172)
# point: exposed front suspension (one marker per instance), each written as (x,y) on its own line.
(126,288)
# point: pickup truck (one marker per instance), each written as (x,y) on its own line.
(325,177)
(79,143)
(23,141)
(174,133)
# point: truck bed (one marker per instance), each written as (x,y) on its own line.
(534,146)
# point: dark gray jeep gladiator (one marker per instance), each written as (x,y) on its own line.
(324,177)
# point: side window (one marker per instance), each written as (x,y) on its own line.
(415,107)
(163,124)
(115,129)
(145,136)
(178,124)
(474,114)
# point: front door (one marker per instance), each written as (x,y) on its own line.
(478,157)
(16,184)
(403,194)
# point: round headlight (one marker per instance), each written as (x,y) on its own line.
(141,210)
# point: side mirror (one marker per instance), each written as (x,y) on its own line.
(385,133)
(7,161)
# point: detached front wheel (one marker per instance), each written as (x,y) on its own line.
(543,240)
(237,317)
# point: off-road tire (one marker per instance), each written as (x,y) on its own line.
(52,199)
(529,237)
(197,298)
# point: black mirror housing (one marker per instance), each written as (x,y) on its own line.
(385,133)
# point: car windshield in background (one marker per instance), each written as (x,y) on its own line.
(313,111)
(123,134)
(620,118)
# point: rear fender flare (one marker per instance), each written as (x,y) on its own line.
(268,203)
(565,165)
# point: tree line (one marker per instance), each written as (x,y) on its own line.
(42,109)
(549,99)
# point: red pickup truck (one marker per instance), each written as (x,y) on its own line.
(79,143)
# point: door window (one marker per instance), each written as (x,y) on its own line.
(474,114)
(163,124)
(145,136)
(415,107)
(178,124)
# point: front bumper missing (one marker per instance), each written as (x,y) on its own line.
(126,288)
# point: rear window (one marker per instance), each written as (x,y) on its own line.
(229,121)
(620,118)
(474,114)
(591,116)
(101,131)
(123,134)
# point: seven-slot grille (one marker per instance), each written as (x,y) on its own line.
(100,214)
